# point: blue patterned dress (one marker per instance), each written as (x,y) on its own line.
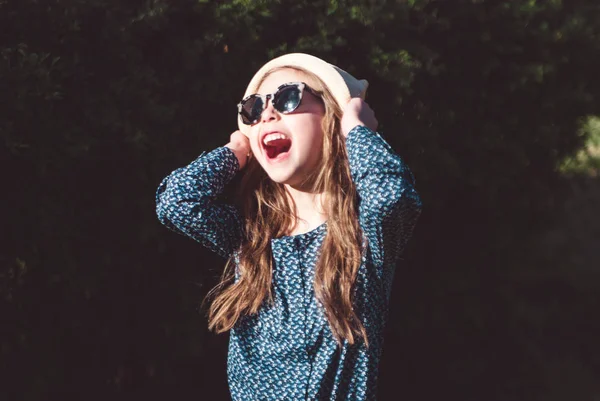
(287,350)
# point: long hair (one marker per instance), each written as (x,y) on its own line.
(269,212)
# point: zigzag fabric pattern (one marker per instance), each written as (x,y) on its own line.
(287,351)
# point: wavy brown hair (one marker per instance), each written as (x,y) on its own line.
(269,213)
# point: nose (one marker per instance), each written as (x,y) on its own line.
(269,113)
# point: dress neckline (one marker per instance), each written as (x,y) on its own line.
(309,233)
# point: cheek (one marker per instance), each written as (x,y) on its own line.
(311,147)
(316,134)
(253,139)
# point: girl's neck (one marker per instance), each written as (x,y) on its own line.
(309,210)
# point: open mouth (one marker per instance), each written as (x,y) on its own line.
(276,145)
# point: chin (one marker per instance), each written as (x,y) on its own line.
(280,177)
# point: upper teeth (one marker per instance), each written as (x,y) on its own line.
(271,137)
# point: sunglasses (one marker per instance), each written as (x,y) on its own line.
(285,100)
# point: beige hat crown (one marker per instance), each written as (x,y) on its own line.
(342,85)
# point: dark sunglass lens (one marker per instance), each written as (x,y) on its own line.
(251,110)
(287,99)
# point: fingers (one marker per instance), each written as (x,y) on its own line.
(240,145)
(358,112)
(237,136)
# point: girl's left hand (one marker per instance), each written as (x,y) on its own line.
(358,112)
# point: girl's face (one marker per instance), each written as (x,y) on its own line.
(289,146)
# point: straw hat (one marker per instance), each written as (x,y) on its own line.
(342,85)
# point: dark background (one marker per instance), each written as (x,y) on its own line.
(493,104)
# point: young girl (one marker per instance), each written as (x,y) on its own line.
(327,210)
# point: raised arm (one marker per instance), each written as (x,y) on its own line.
(186,200)
(389,205)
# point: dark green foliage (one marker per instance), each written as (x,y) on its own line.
(99,100)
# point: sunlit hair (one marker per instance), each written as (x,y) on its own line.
(269,213)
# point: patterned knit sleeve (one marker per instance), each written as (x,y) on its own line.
(389,205)
(186,202)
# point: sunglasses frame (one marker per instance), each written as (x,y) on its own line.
(301,86)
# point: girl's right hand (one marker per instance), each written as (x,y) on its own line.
(240,145)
